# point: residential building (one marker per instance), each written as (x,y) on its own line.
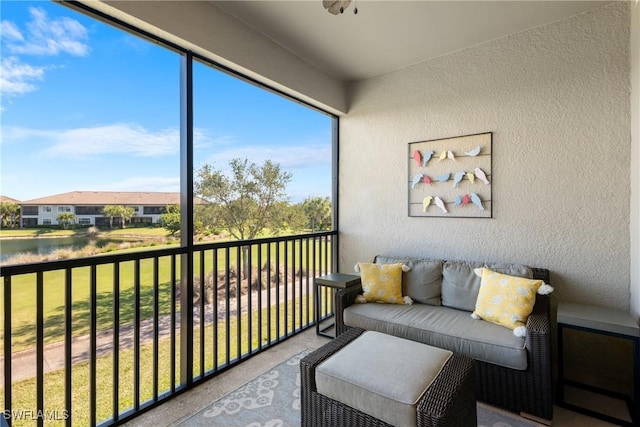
(6,199)
(88,207)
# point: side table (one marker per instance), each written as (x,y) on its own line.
(599,320)
(333,281)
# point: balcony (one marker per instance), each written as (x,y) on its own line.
(63,359)
(96,341)
(562,173)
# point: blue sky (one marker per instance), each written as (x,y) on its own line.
(85,106)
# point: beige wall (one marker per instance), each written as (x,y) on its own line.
(557,99)
(635,160)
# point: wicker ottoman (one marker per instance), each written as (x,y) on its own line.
(382,380)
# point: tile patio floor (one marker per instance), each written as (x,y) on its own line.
(188,403)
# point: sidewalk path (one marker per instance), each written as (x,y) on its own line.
(24,364)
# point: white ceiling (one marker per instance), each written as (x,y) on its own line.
(389,35)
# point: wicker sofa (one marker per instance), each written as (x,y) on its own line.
(511,372)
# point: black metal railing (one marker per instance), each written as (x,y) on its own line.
(95,341)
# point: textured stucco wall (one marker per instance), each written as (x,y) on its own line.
(635,161)
(557,99)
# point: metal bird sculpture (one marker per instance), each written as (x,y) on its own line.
(417,157)
(450,155)
(426,179)
(443,178)
(426,202)
(426,157)
(473,152)
(335,7)
(458,201)
(416,179)
(440,204)
(476,201)
(481,175)
(443,155)
(471,177)
(457,178)
(465,199)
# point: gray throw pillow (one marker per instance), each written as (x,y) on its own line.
(423,282)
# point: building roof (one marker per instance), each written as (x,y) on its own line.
(109,198)
(5,199)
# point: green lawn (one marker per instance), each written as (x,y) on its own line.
(24,392)
(23,288)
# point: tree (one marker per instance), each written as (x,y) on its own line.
(249,197)
(171,219)
(66,219)
(318,212)
(126,213)
(111,211)
(295,218)
(118,211)
(9,214)
(206,218)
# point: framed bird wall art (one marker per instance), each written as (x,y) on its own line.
(451,177)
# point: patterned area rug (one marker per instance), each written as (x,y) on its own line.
(273,400)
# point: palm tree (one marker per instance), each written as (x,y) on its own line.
(318,211)
(10,212)
(126,214)
(112,211)
(66,218)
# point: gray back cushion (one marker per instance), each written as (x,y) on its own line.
(423,282)
(460,285)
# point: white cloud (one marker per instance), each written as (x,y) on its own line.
(17,78)
(89,142)
(288,157)
(11,134)
(115,139)
(42,36)
(118,138)
(45,36)
(10,31)
(202,141)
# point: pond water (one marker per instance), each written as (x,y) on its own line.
(44,246)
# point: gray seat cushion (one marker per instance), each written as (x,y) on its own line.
(381,375)
(423,282)
(442,327)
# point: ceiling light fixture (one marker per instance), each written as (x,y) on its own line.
(338,6)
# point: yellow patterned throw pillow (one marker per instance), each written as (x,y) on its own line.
(382,282)
(506,300)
